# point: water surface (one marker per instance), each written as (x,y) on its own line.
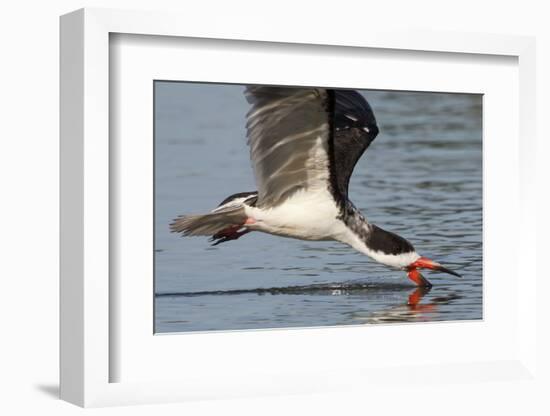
(420,178)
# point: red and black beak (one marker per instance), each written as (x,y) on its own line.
(425,263)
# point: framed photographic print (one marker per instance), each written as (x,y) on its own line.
(237,209)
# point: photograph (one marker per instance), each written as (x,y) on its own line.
(301,207)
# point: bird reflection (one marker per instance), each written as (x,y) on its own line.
(414,310)
(416,296)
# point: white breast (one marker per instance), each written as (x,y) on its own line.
(306,215)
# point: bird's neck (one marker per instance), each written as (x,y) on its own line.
(354,220)
(381,245)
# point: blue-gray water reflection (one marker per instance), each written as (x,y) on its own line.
(421,178)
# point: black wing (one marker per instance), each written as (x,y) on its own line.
(353,129)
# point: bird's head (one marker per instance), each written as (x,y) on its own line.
(395,251)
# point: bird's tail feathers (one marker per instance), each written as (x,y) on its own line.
(209,224)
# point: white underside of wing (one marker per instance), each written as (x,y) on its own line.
(288,133)
(310,213)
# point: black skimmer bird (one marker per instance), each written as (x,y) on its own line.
(304,144)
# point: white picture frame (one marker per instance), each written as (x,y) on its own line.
(87,301)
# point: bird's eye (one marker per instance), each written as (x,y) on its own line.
(366,129)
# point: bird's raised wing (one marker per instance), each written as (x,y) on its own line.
(354,128)
(288,133)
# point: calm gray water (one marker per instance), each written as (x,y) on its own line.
(420,178)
